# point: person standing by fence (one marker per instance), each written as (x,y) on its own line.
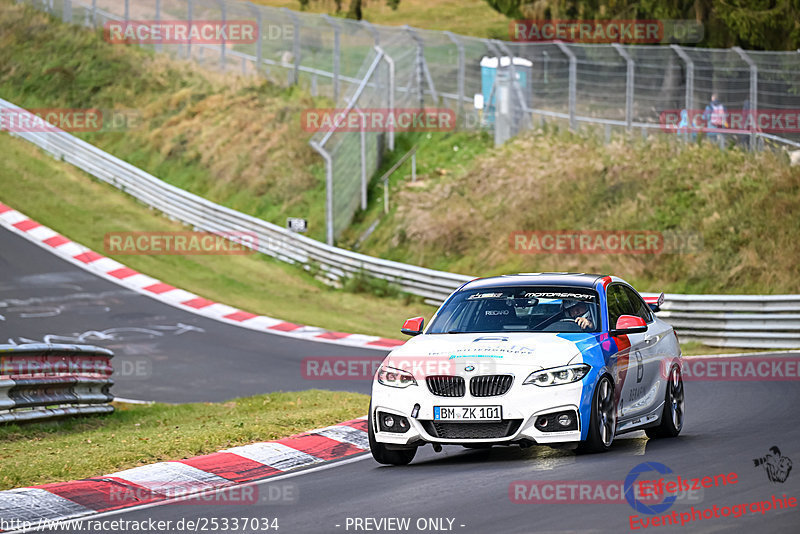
(715,117)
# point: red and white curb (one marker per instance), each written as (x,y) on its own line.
(167,481)
(125,276)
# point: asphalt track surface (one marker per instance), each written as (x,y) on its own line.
(161,353)
(728,425)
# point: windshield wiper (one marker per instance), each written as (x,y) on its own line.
(456,332)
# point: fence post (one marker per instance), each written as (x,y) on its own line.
(753,93)
(94,13)
(158,46)
(328,191)
(66,13)
(629,84)
(422,68)
(371,29)
(295,45)
(689,76)
(461,72)
(363,136)
(573,81)
(222,41)
(127,15)
(259,52)
(189,13)
(390,62)
(337,30)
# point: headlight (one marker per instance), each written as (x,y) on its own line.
(558,375)
(396,378)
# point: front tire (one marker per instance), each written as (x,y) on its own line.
(672,416)
(603,419)
(383,455)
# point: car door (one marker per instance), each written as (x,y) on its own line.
(629,371)
(653,355)
(643,394)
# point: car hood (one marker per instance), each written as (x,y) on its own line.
(429,354)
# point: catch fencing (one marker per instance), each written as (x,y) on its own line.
(45,381)
(358,65)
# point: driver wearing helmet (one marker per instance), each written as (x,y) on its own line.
(579,312)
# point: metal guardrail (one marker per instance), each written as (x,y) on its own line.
(745,321)
(44,381)
(721,320)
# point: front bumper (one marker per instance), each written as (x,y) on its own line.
(521,406)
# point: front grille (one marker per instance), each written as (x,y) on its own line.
(446,386)
(489,385)
(499,429)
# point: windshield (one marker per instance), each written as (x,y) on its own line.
(519,309)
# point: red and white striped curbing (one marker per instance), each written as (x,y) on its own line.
(125,276)
(200,476)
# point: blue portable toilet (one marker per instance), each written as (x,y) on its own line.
(489,67)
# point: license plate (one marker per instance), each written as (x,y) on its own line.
(467,413)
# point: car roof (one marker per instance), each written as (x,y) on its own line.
(583,280)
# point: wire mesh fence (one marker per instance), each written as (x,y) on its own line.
(501,86)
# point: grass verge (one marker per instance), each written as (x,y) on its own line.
(134,435)
(744,207)
(84,209)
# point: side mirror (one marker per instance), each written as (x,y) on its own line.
(413,327)
(629,324)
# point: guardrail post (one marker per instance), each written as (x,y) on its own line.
(629,85)
(328,191)
(390,62)
(573,81)
(337,30)
(461,72)
(222,41)
(295,78)
(753,111)
(259,50)
(689,76)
